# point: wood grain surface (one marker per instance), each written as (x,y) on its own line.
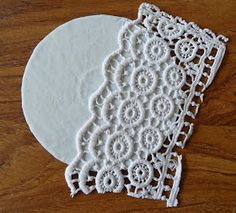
(31,180)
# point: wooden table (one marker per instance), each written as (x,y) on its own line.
(33,181)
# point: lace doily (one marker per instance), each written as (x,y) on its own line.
(153,85)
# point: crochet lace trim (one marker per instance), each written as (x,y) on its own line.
(152,89)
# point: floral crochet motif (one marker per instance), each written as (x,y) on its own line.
(153,86)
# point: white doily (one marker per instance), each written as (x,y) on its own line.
(59,79)
(152,89)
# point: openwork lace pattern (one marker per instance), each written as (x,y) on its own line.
(153,85)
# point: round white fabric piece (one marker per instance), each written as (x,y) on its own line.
(63,71)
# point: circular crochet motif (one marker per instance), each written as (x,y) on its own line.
(109,180)
(169,30)
(140,173)
(156,50)
(185,50)
(119,147)
(174,76)
(162,106)
(144,80)
(151,139)
(131,113)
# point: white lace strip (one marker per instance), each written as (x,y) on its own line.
(153,85)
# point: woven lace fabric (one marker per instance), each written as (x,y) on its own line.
(153,86)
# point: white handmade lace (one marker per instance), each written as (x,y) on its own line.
(152,89)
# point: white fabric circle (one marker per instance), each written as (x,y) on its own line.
(63,71)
